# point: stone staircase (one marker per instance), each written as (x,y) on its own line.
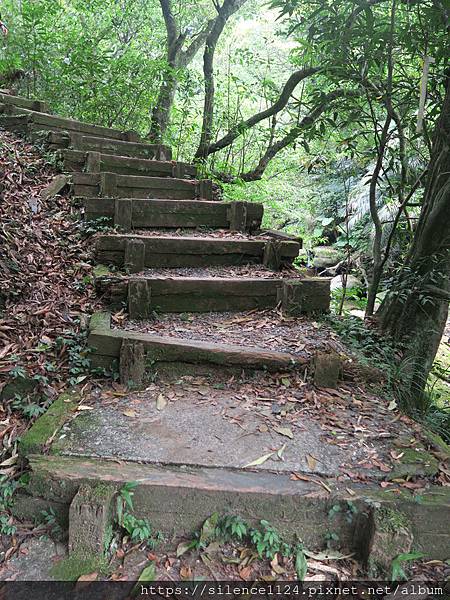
(170,231)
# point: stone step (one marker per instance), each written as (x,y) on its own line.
(136,252)
(178,500)
(137,213)
(110,185)
(61,140)
(28,122)
(96,162)
(171,356)
(188,294)
(9,100)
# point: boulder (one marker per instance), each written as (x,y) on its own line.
(325,256)
(352,282)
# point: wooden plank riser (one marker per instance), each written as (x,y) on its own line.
(188,252)
(108,343)
(193,295)
(60,140)
(167,213)
(105,184)
(77,161)
(47,122)
(19,102)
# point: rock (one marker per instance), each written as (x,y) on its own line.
(325,256)
(352,282)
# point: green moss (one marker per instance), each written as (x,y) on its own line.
(101,271)
(77,564)
(100,320)
(391,520)
(436,441)
(34,441)
(415,462)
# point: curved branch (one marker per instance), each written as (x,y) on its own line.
(295,132)
(283,99)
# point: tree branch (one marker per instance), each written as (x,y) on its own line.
(274,148)
(283,99)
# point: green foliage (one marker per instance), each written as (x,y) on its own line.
(8,487)
(397,570)
(49,519)
(265,538)
(139,530)
(73,345)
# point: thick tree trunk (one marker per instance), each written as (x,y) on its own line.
(228,8)
(177,58)
(415,311)
(161,113)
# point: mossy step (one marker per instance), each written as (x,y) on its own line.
(107,184)
(178,500)
(94,162)
(47,425)
(155,213)
(17,101)
(26,121)
(189,294)
(173,354)
(60,140)
(187,251)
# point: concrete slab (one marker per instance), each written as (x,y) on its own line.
(205,427)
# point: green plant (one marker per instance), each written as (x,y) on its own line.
(29,408)
(139,530)
(266,539)
(8,487)
(73,345)
(49,519)
(397,570)
(100,225)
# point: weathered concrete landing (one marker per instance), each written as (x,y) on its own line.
(217,431)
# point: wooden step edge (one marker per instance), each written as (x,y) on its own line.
(96,162)
(20,102)
(141,213)
(108,344)
(51,121)
(179,499)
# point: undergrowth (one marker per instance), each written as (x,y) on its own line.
(371,348)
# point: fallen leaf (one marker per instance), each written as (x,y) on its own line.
(312,462)
(84,407)
(185,573)
(281,451)
(286,431)
(90,577)
(184,547)
(259,461)
(161,402)
(130,413)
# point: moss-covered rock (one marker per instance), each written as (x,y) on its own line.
(415,462)
(78,564)
(37,437)
(100,320)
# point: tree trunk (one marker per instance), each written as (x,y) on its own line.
(177,58)
(228,8)
(161,113)
(415,311)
